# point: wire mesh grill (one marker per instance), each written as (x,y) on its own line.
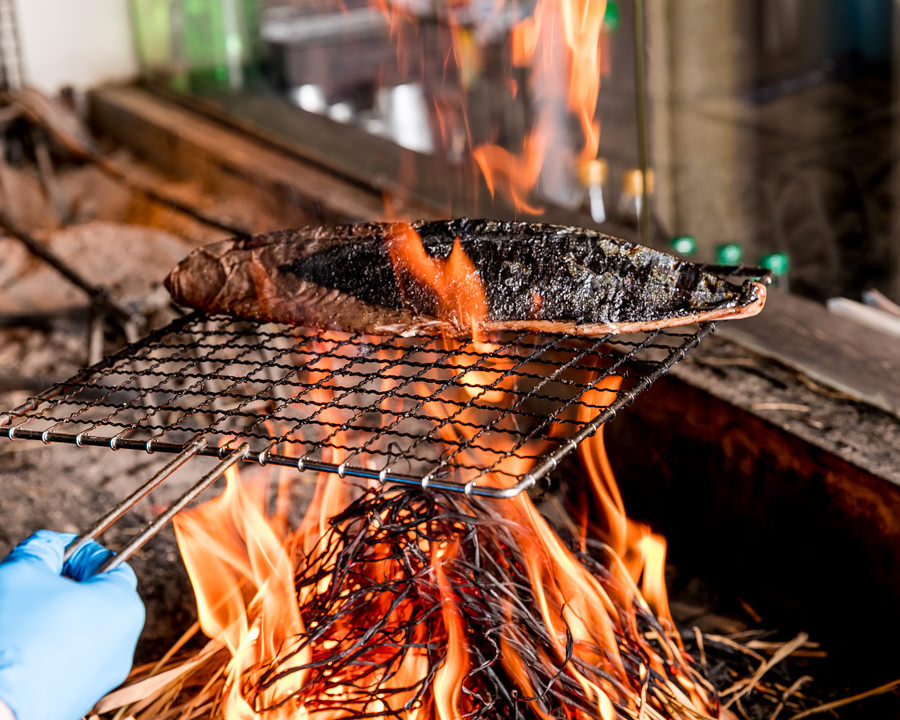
(489,418)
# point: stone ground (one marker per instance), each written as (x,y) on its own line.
(120,240)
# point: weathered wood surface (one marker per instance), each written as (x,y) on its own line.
(412,184)
(829,349)
(792,404)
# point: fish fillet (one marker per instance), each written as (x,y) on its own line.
(536,277)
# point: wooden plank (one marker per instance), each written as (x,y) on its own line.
(351,152)
(428,186)
(187,144)
(829,349)
(792,404)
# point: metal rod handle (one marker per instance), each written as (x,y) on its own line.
(160,521)
(102,524)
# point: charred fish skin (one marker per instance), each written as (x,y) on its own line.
(359,268)
(536,278)
(530,271)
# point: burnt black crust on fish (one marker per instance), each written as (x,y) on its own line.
(361,269)
(530,271)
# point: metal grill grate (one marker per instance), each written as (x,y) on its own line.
(486,418)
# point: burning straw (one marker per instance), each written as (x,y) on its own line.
(414,604)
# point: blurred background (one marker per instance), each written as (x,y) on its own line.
(767,131)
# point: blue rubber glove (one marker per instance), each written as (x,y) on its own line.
(66,637)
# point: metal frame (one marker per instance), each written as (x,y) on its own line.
(230,452)
(442,469)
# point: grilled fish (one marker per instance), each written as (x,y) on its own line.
(535,277)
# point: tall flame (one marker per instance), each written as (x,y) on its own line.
(246,569)
(453,283)
(448,680)
(562,46)
(243,581)
(398,643)
(641,553)
(460,299)
(561,38)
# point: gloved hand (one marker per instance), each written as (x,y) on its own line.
(67,637)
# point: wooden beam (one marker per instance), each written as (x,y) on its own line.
(828,348)
(189,145)
(340,166)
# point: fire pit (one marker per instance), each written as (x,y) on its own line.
(374,415)
(481,418)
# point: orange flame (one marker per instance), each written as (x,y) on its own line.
(518,173)
(453,283)
(562,45)
(563,37)
(242,570)
(456,288)
(642,553)
(583,31)
(448,681)
(243,581)
(243,562)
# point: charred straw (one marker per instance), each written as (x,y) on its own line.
(371,597)
(373,620)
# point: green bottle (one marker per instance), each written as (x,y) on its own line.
(778,262)
(611,19)
(152,21)
(729,254)
(684,245)
(221,43)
